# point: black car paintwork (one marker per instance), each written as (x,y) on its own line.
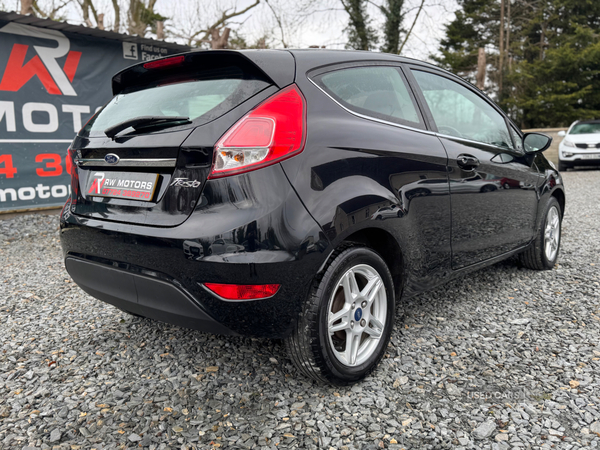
(355,175)
(505,217)
(346,162)
(283,245)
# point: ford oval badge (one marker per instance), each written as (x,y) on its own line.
(111,158)
(358,314)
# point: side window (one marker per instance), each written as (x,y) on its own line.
(517,138)
(377,91)
(459,112)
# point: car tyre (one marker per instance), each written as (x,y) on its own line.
(543,251)
(333,341)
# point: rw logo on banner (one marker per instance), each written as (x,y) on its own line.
(55,79)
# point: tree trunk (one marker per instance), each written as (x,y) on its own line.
(508,36)
(160,30)
(501,57)
(394,16)
(85,8)
(136,24)
(27,7)
(219,40)
(117,8)
(360,35)
(481,66)
(101,21)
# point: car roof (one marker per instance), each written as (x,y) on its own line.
(311,58)
(351,55)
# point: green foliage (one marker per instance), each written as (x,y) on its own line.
(551,70)
(361,36)
(394,16)
(562,87)
(473,27)
(150,17)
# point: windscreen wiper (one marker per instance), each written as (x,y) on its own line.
(137,123)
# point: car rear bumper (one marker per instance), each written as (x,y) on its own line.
(159,272)
(143,295)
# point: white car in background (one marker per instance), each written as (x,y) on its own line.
(580,146)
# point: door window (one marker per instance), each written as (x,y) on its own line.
(462,113)
(376,91)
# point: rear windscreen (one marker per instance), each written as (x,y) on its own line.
(203,95)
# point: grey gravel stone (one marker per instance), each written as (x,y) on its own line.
(80,371)
(523,321)
(55,435)
(134,437)
(501,437)
(485,430)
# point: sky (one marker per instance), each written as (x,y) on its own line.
(305,22)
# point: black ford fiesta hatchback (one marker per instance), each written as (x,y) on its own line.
(300,195)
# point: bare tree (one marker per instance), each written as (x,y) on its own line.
(88,7)
(280,21)
(412,27)
(50,10)
(141,16)
(284,22)
(27,7)
(117,9)
(160,30)
(214,34)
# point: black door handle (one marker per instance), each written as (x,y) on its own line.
(467,162)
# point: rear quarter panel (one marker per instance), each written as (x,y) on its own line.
(357,173)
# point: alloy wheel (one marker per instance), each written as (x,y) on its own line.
(357,313)
(552,233)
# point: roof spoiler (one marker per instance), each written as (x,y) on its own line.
(276,65)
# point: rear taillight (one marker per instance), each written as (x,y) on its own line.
(275,130)
(243,291)
(72,169)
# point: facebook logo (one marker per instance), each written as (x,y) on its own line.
(130,50)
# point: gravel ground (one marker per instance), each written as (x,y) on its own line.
(504,358)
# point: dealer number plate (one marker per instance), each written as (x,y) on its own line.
(126,185)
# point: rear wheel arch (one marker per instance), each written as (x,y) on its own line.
(560,197)
(384,243)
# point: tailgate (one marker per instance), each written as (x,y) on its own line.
(153,171)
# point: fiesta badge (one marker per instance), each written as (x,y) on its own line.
(111,158)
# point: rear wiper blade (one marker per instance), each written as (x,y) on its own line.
(138,123)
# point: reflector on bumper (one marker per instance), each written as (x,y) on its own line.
(243,291)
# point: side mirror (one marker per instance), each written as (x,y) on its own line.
(562,133)
(536,142)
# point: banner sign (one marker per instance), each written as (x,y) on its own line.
(51,83)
